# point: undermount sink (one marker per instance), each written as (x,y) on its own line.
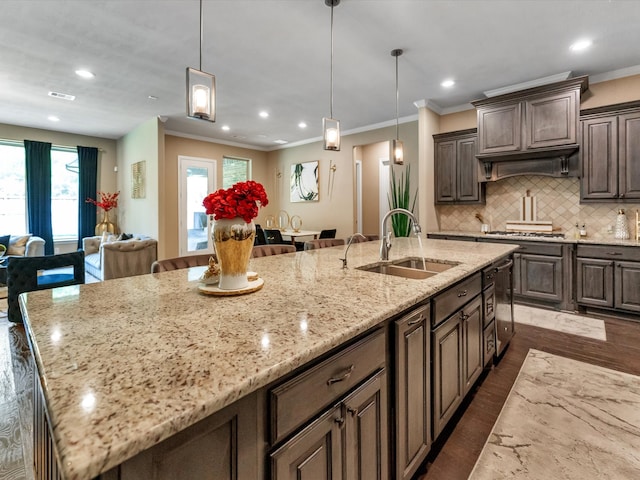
(412,267)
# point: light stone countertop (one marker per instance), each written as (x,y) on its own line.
(565,420)
(595,240)
(129,362)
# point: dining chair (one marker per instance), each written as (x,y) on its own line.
(360,239)
(261,238)
(273,236)
(266,250)
(328,233)
(25,274)
(323,243)
(176,263)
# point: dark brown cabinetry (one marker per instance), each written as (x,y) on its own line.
(341,406)
(457,346)
(610,153)
(532,121)
(608,277)
(456,168)
(413,391)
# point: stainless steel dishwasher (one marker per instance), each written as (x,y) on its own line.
(503,277)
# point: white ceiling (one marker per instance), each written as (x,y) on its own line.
(274,55)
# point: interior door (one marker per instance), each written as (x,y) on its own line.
(197,178)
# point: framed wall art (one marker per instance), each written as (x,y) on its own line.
(138,173)
(305,182)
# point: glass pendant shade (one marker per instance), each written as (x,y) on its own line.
(396,153)
(331,133)
(201,95)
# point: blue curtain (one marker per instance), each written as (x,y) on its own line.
(38,175)
(87,188)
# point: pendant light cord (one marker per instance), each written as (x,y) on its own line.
(331,69)
(397,101)
(201,34)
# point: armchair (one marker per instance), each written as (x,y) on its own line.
(121,258)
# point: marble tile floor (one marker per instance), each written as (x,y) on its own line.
(561,321)
(16,375)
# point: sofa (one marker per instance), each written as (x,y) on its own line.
(25,246)
(108,257)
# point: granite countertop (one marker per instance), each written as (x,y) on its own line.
(128,362)
(565,419)
(596,240)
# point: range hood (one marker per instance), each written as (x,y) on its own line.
(531,132)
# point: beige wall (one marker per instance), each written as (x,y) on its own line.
(175,146)
(612,91)
(371,156)
(458,121)
(336,210)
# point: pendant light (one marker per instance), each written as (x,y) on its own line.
(201,88)
(396,150)
(331,126)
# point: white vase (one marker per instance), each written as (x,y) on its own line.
(233,242)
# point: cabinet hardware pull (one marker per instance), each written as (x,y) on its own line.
(416,321)
(462,293)
(341,378)
(463,316)
(613,253)
(339,421)
(352,411)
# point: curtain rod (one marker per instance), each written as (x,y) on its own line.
(60,147)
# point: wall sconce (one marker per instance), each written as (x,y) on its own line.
(396,150)
(201,88)
(331,126)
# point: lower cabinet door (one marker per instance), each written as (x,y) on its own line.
(541,277)
(412,391)
(489,343)
(447,372)
(473,338)
(313,454)
(627,281)
(366,431)
(594,279)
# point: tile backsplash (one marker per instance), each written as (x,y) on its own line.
(558,200)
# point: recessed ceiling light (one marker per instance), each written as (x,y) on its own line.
(580,45)
(264,114)
(84,74)
(302,125)
(152,97)
(448,83)
(53,118)
(226,128)
(64,96)
(280,142)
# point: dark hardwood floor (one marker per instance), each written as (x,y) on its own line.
(453,457)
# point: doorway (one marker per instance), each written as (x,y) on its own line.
(197,178)
(371,184)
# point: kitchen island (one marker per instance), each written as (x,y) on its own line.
(127,363)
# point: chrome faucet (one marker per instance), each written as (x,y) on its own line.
(344,260)
(385,243)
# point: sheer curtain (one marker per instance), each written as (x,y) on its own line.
(88,171)
(38,179)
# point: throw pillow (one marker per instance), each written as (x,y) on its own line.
(108,238)
(18,245)
(125,236)
(4,240)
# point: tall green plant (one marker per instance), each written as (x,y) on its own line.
(400,197)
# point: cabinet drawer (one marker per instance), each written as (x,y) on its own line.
(305,395)
(535,248)
(609,252)
(455,297)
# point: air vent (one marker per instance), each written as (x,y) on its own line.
(63,96)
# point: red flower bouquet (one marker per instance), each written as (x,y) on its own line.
(107,201)
(241,200)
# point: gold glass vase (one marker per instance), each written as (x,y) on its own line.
(105,225)
(233,242)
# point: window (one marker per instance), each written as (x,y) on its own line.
(64,191)
(235,170)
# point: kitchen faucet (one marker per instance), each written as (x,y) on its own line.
(344,260)
(385,243)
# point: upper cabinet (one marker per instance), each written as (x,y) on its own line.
(536,123)
(456,168)
(610,153)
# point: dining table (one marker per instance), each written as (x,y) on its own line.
(300,233)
